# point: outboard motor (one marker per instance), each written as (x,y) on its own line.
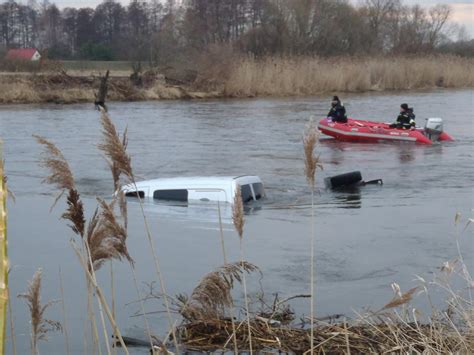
(433,128)
(352,179)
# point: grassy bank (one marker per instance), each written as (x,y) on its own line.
(239,77)
(66,89)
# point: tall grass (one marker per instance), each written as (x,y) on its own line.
(308,76)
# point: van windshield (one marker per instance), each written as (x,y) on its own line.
(246,192)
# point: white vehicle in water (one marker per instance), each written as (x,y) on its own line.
(187,189)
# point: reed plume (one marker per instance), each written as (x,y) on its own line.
(115,148)
(40,326)
(212,296)
(238,219)
(106,237)
(312,162)
(61,176)
(310,139)
(238,213)
(60,173)
(75,212)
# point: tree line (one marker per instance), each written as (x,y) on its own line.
(160,31)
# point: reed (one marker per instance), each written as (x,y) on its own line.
(312,162)
(103,238)
(65,328)
(4,299)
(293,76)
(224,255)
(238,219)
(40,326)
(115,149)
(122,202)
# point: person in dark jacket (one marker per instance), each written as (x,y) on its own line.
(337,112)
(406,118)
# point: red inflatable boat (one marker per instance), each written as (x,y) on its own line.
(367,131)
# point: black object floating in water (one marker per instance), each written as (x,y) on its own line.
(351,179)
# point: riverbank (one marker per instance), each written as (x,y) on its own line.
(243,77)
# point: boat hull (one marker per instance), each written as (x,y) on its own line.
(368,131)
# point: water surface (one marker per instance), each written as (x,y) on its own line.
(365,239)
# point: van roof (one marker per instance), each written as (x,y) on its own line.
(201,180)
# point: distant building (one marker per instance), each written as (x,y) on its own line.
(30,54)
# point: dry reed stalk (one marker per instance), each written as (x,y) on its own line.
(66,334)
(112,291)
(310,139)
(12,328)
(40,326)
(87,269)
(91,315)
(465,272)
(101,313)
(115,149)
(221,233)
(142,306)
(4,292)
(238,219)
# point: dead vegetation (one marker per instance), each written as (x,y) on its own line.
(250,77)
(388,337)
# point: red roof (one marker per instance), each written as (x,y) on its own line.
(23,53)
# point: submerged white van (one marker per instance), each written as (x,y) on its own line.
(184,189)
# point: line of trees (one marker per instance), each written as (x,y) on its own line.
(160,31)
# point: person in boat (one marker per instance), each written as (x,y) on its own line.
(406,118)
(337,112)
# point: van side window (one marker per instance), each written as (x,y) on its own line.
(246,192)
(258,190)
(140,194)
(171,195)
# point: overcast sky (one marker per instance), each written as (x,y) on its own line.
(463,11)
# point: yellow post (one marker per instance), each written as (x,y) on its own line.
(3,254)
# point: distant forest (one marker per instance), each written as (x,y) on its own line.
(165,31)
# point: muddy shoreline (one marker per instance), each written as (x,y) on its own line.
(65,89)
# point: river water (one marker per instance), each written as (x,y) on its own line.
(365,239)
